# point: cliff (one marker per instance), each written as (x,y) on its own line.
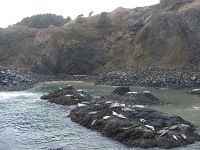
(164,35)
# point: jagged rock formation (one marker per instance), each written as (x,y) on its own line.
(164,35)
(67,96)
(125,95)
(130,124)
(136,127)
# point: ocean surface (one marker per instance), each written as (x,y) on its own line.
(29,123)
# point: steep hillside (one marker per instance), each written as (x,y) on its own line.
(164,35)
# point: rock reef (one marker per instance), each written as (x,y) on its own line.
(121,116)
(67,96)
(136,127)
(125,95)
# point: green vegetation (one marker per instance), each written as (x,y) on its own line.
(104,21)
(44,21)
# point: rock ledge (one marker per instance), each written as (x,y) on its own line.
(67,96)
(136,127)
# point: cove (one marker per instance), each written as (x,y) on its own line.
(30,123)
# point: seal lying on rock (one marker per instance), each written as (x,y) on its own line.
(195,92)
(124,94)
(67,96)
(158,130)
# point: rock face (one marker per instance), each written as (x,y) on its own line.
(136,127)
(67,96)
(174,1)
(123,94)
(164,35)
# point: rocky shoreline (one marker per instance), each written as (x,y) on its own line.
(151,76)
(16,79)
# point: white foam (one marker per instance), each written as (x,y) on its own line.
(6,95)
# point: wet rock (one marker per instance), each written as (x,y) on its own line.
(67,96)
(14,79)
(121,90)
(129,129)
(195,92)
(132,98)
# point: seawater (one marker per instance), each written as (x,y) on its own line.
(29,123)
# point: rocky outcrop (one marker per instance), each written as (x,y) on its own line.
(67,96)
(164,2)
(117,116)
(121,91)
(136,127)
(124,95)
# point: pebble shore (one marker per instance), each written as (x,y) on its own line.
(16,79)
(151,76)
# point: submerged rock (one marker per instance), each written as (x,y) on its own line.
(127,127)
(67,96)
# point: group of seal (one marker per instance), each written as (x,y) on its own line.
(130,123)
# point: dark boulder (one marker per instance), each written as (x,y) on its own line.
(123,94)
(67,96)
(121,90)
(135,127)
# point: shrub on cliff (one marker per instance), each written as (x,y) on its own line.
(104,21)
(44,21)
(80,19)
